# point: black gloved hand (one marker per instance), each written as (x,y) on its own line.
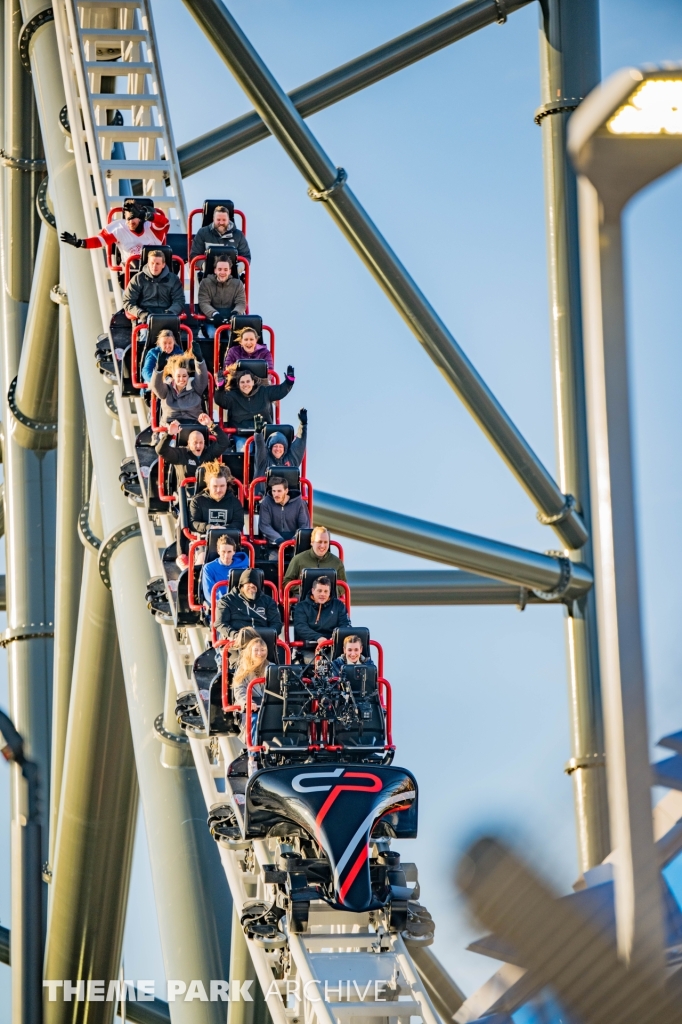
(197,354)
(162,360)
(290,372)
(258,423)
(70,239)
(303,417)
(149,213)
(217,319)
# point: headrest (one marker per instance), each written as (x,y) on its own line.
(240,320)
(188,428)
(214,252)
(270,638)
(136,203)
(236,573)
(160,322)
(308,577)
(209,209)
(256,367)
(165,249)
(303,540)
(340,634)
(279,428)
(291,474)
(212,537)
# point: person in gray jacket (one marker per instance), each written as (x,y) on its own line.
(180,398)
(281,516)
(221,232)
(154,290)
(221,295)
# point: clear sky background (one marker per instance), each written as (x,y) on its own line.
(447,160)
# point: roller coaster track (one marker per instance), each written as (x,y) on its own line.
(98,40)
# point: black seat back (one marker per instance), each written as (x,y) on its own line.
(340,634)
(303,540)
(291,474)
(212,537)
(280,428)
(188,428)
(269,637)
(256,367)
(209,210)
(308,577)
(236,573)
(165,249)
(213,254)
(285,694)
(241,320)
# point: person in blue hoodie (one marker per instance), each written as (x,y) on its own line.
(167,344)
(218,569)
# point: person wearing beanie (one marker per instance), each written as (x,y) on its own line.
(246,605)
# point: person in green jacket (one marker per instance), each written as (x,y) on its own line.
(317,557)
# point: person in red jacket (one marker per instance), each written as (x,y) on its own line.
(139,226)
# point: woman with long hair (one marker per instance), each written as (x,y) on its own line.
(180,399)
(246,396)
(245,344)
(253,663)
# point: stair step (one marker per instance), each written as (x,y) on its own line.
(112,67)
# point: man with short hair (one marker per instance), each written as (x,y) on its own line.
(187,458)
(319,614)
(352,655)
(246,605)
(280,516)
(318,556)
(221,232)
(140,225)
(154,290)
(221,295)
(218,569)
(217,505)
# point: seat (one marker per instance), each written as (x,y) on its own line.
(291,474)
(209,210)
(156,323)
(256,367)
(241,320)
(285,694)
(369,727)
(236,573)
(214,252)
(303,540)
(212,537)
(165,249)
(189,427)
(308,577)
(340,634)
(280,428)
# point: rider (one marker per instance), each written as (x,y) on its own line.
(166,343)
(318,556)
(275,452)
(180,399)
(246,605)
(246,345)
(140,225)
(319,614)
(352,655)
(155,289)
(218,569)
(217,505)
(221,295)
(221,232)
(280,516)
(196,452)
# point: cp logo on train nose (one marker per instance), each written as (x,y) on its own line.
(338,773)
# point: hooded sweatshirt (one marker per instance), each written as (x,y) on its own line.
(149,294)
(292,458)
(277,520)
(234,612)
(209,236)
(205,512)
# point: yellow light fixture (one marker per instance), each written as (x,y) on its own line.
(655,108)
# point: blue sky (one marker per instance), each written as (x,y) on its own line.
(447,160)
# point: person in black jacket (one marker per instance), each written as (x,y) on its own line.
(319,614)
(154,290)
(218,505)
(247,396)
(221,232)
(247,606)
(187,458)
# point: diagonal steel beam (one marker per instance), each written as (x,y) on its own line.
(454,547)
(349,78)
(327,184)
(434,587)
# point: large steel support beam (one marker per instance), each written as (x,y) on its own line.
(433,586)
(349,78)
(29,504)
(97,813)
(453,547)
(72,485)
(327,183)
(192,898)
(569,59)
(34,398)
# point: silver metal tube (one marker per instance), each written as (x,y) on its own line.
(443,544)
(569,60)
(98,810)
(639,915)
(34,401)
(347,79)
(72,473)
(445,994)
(192,898)
(433,587)
(291,131)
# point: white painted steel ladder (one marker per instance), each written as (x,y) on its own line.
(371,975)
